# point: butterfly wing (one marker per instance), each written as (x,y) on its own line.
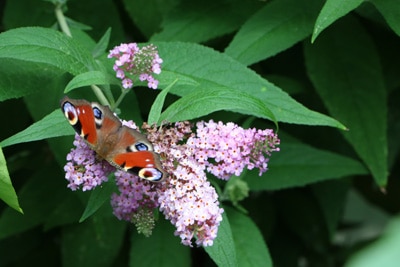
(145,164)
(79,114)
(134,154)
(120,145)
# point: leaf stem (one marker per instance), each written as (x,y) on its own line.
(120,98)
(65,29)
(61,20)
(100,95)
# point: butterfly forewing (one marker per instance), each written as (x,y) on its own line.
(80,115)
(146,164)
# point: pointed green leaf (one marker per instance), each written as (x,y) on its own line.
(332,11)
(102,45)
(95,242)
(157,249)
(202,67)
(39,196)
(223,251)
(274,28)
(369,219)
(68,211)
(148,14)
(200,21)
(43,45)
(390,10)
(250,246)
(205,101)
(89,78)
(32,56)
(348,77)
(21,78)
(382,252)
(155,111)
(7,192)
(98,197)
(53,125)
(297,164)
(331,197)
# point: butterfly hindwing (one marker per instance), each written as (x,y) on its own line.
(142,163)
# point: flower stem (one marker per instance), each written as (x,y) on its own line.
(61,20)
(120,98)
(100,96)
(65,29)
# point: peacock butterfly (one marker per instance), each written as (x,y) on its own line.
(121,146)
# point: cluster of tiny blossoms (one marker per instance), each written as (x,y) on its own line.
(136,199)
(132,62)
(226,149)
(186,197)
(83,170)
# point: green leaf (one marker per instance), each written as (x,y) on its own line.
(332,11)
(205,101)
(148,14)
(274,28)
(95,242)
(89,78)
(155,111)
(83,38)
(348,77)
(33,56)
(194,73)
(223,251)
(157,249)
(251,249)
(43,45)
(299,211)
(39,55)
(53,125)
(41,105)
(39,196)
(21,78)
(369,220)
(100,18)
(331,197)
(7,192)
(102,45)
(383,252)
(68,211)
(98,197)
(298,164)
(20,13)
(200,21)
(390,11)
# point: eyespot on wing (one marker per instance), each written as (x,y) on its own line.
(145,164)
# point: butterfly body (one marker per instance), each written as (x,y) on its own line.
(121,146)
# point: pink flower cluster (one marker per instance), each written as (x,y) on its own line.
(186,197)
(132,62)
(134,194)
(191,204)
(226,149)
(83,170)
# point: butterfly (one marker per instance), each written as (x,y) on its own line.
(121,146)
